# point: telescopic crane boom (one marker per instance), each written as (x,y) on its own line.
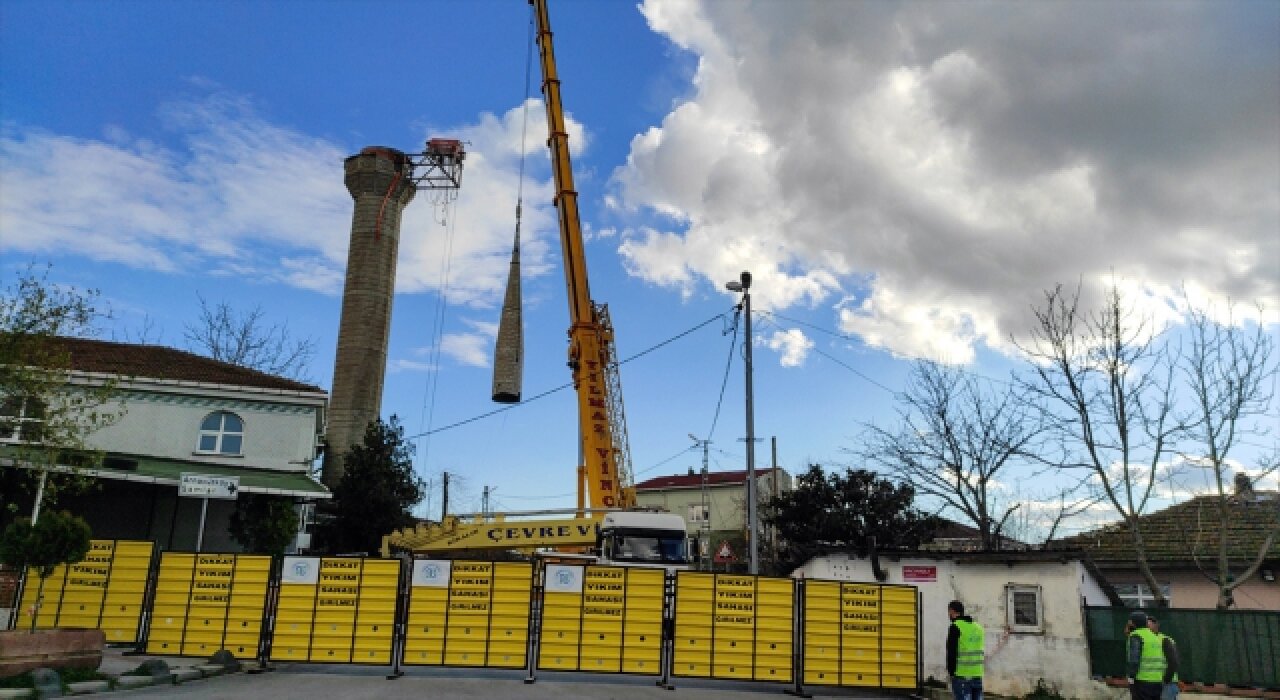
(605,466)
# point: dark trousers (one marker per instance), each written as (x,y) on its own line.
(967,688)
(1145,690)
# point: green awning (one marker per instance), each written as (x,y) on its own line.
(169,472)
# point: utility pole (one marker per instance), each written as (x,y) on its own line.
(704,540)
(743,284)
(444,495)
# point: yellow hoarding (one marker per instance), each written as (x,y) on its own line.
(466,613)
(605,619)
(207,602)
(860,635)
(734,627)
(104,591)
(336,610)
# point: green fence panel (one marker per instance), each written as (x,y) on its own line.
(1236,647)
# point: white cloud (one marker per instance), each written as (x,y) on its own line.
(944,168)
(792,345)
(240,196)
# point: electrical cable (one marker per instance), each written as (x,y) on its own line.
(562,387)
(733,343)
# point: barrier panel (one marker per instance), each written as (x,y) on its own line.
(860,635)
(206,602)
(466,613)
(105,591)
(733,627)
(605,619)
(336,610)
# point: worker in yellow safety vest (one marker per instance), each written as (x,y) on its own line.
(1146,661)
(966,650)
(1170,681)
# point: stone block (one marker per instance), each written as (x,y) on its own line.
(22,650)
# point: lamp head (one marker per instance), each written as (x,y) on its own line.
(733,286)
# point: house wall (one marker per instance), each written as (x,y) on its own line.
(277,434)
(1190,589)
(1015,661)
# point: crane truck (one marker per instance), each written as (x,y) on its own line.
(606,520)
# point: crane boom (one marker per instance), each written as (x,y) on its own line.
(604,461)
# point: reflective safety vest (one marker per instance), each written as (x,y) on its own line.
(1174,644)
(1152,663)
(970,649)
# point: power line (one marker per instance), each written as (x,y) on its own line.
(833,359)
(564,386)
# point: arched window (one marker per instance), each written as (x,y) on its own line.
(221,433)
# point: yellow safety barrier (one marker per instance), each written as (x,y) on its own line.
(105,591)
(466,613)
(858,634)
(734,627)
(207,602)
(336,610)
(606,619)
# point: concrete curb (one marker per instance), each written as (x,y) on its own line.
(87,687)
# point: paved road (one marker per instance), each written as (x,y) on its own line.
(307,682)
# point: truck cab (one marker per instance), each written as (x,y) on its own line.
(651,539)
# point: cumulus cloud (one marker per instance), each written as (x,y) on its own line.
(240,196)
(927,169)
(792,345)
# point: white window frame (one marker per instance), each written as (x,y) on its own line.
(19,420)
(1011,593)
(220,435)
(1140,595)
(699,513)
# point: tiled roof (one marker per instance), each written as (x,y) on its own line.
(159,362)
(694,480)
(1189,530)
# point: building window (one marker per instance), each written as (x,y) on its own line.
(1025,613)
(221,433)
(1138,595)
(699,513)
(21,419)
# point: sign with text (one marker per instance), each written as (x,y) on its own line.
(207,602)
(919,574)
(207,486)
(336,610)
(104,591)
(733,627)
(860,634)
(468,613)
(606,619)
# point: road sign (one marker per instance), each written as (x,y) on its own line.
(724,553)
(204,486)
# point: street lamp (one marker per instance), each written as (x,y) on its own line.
(743,284)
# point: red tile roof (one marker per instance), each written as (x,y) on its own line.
(159,362)
(694,480)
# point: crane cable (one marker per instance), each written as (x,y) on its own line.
(564,386)
(437,334)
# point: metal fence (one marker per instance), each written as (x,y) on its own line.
(1236,647)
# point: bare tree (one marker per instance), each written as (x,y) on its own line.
(248,341)
(955,437)
(1229,369)
(1105,380)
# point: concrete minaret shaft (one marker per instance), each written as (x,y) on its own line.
(379,180)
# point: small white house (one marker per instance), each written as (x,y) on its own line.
(1028,602)
(180,413)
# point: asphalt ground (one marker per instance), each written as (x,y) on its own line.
(316,681)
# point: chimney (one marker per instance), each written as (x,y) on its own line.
(379,181)
(1244,485)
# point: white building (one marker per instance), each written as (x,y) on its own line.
(1028,602)
(180,413)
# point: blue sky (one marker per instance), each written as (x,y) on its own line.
(903,179)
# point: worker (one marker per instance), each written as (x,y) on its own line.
(1146,662)
(1170,689)
(966,649)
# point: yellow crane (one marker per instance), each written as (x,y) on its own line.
(606,464)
